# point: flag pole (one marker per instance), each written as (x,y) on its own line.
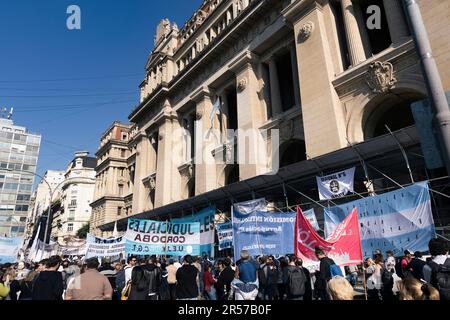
(362,257)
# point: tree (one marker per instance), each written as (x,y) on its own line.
(83,231)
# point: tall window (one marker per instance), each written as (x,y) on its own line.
(119,211)
(71,215)
(120,190)
(70,227)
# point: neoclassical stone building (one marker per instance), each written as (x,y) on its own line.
(311,69)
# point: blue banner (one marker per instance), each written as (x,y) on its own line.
(148,237)
(397,220)
(261,232)
(225,235)
(9,248)
(206,219)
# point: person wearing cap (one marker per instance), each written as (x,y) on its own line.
(91,285)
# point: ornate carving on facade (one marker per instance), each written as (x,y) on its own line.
(199,113)
(242,84)
(162,30)
(201,16)
(186,171)
(380,77)
(305,31)
(152,183)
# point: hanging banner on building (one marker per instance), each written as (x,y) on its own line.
(397,220)
(310,215)
(343,245)
(9,249)
(43,250)
(262,232)
(104,248)
(148,237)
(206,219)
(336,185)
(225,235)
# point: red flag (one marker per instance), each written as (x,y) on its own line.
(343,245)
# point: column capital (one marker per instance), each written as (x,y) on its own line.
(200,94)
(243,61)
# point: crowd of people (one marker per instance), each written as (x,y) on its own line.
(264,278)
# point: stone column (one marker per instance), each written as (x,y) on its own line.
(354,41)
(275,95)
(140,195)
(363,29)
(295,75)
(251,154)
(398,28)
(206,139)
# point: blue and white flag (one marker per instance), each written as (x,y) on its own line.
(215,109)
(396,220)
(225,235)
(9,249)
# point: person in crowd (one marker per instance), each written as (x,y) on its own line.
(187,280)
(65,265)
(283,263)
(401,267)
(119,280)
(139,284)
(226,276)
(416,265)
(412,289)
(91,285)
(209,282)
(131,262)
(389,263)
(324,273)
(437,271)
(198,265)
(108,271)
(374,282)
(245,284)
(352,275)
(164,292)
(262,277)
(22,270)
(48,285)
(296,280)
(153,275)
(340,289)
(273,275)
(172,279)
(4,290)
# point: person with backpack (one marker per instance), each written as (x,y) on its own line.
(437,271)
(138,286)
(416,265)
(296,280)
(401,267)
(387,282)
(120,280)
(327,270)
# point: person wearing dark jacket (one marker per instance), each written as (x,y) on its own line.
(139,284)
(324,275)
(49,283)
(416,265)
(226,276)
(153,275)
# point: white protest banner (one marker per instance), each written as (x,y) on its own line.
(336,185)
(148,237)
(104,248)
(9,248)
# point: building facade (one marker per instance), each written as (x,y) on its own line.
(71,208)
(112,177)
(311,69)
(19,152)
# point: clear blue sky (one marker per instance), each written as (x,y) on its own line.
(111,49)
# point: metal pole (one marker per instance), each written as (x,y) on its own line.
(403,152)
(363,164)
(433,82)
(47,222)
